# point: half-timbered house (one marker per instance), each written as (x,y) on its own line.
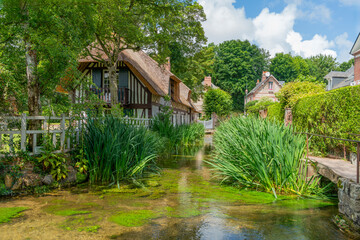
(142,86)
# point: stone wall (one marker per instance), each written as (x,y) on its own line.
(349,199)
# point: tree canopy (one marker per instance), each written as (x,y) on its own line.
(238,64)
(217,101)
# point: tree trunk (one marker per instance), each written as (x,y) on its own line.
(113,84)
(33,88)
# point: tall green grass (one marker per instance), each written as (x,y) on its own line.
(263,155)
(177,138)
(117,151)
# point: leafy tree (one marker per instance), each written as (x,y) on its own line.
(217,101)
(293,91)
(287,68)
(143,24)
(320,65)
(345,65)
(238,64)
(193,68)
(46,37)
(283,68)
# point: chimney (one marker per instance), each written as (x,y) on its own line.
(265,75)
(167,65)
(257,82)
(207,81)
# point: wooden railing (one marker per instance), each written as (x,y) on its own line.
(105,94)
(64,131)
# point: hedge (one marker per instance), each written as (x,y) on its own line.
(276,112)
(335,113)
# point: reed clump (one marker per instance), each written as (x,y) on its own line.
(117,151)
(263,155)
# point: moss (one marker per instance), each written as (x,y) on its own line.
(184,213)
(93,229)
(64,208)
(6,214)
(87,223)
(134,218)
(304,204)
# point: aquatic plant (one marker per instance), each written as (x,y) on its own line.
(262,154)
(6,214)
(117,151)
(179,136)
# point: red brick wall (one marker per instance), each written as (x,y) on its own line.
(357,67)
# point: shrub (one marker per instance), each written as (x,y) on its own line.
(261,104)
(276,113)
(335,113)
(117,151)
(217,101)
(261,154)
(293,91)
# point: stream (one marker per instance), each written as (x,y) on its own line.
(183,202)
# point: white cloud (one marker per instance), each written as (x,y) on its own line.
(319,13)
(343,45)
(270,30)
(351,2)
(307,48)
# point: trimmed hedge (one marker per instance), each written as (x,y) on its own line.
(276,112)
(335,113)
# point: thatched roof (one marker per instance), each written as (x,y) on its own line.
(151,71)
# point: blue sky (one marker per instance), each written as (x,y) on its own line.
(302,27)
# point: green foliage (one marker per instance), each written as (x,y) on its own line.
(335,113)
(217,101)
(191,68)
(261,154)
(6,214)
(82,164)
(117,151)
(283,67)
(321,65)
(237,66)
(293,91)
(176,138)
(54,163)
(345,65)
(261,104)
(276,113)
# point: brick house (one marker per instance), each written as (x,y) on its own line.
(207,83)
(355,51)
(268,86)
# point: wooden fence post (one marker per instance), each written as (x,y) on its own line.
(23,132)
(62,136)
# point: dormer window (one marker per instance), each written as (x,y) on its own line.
(270,85)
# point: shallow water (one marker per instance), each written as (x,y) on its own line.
(181,203)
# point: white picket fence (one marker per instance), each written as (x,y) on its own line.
(209,124)
(65,131)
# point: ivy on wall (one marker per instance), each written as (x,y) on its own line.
(276,112)
(335,113)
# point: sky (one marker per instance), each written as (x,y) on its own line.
(301,27)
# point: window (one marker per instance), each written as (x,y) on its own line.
(106,80)
(270,85)
(172,89)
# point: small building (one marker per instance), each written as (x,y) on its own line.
(143,86)
(268,86)
(337,79)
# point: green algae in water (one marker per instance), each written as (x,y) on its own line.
(183,213)
(135,218)
(93,229)
(299,204)
(6,214)
(66,209)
